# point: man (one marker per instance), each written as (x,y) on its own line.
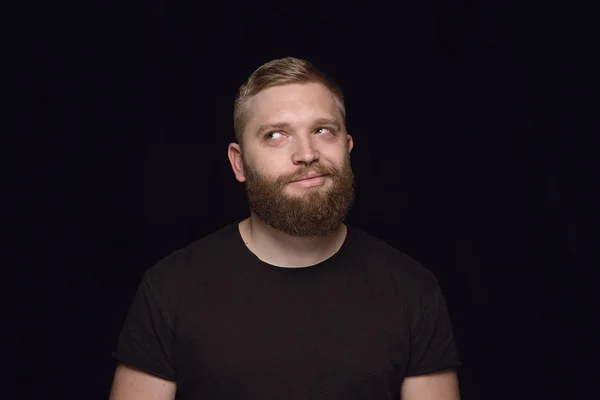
(290,303)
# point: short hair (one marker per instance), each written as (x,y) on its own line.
(276,73)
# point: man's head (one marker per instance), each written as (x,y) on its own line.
(289,120)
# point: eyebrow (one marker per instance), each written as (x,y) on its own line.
(286,126)
(328,121)
(275,126)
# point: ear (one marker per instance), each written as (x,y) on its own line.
(350,143)
(234,152)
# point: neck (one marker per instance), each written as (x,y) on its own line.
(276,248)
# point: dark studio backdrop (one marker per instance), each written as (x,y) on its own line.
(475,154)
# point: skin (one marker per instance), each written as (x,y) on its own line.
(133,384)
(441,385)
(304,136)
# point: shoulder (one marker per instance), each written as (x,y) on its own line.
(408,274)
(188,264)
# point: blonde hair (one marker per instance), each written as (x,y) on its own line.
(276,73)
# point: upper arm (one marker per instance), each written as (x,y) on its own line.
(146,341)
(133,384)
(431,337)
(436,386)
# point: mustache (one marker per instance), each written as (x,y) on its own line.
(316,169)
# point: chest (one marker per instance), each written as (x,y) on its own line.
(304,340)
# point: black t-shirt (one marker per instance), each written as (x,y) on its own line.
(225,325)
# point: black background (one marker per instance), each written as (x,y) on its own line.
(475,154)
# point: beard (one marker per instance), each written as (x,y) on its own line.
(318,211)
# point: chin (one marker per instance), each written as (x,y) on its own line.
(300,192)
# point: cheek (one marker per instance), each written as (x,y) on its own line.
(336,157)
(272,168)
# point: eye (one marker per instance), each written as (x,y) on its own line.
(273,135)
(324,130)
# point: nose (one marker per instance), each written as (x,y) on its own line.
(305,151)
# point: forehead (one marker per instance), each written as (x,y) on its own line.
(292,103)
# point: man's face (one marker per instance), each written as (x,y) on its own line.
(294,132)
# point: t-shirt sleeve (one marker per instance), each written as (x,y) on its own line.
(146,339)
(432,344)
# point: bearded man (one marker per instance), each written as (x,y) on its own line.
(291,303)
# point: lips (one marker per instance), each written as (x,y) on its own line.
(309,176)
